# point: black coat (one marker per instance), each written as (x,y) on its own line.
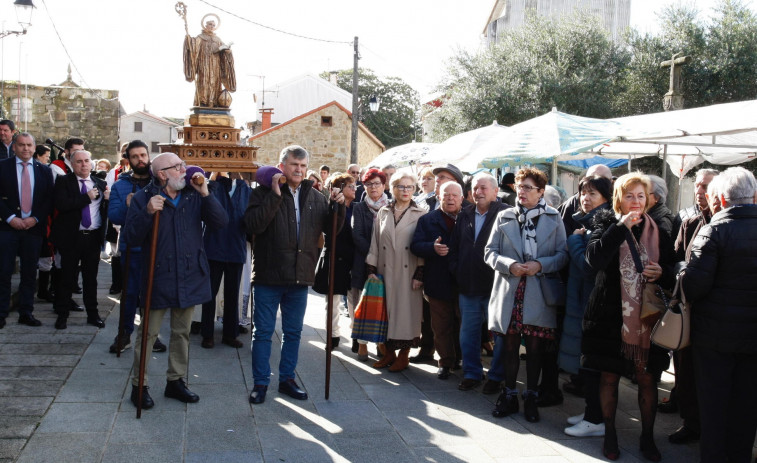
(466,255)
(344,256)
(42,196)
(603,318)
(437,279)
(664,219)
(69,202)
(721,282)
(362,231)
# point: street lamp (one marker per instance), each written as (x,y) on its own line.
(374,103)
(24,10)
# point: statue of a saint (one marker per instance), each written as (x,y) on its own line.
(209,63)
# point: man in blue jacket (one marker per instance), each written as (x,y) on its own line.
(128,183)
(227,251)
(181,278)
(430,241)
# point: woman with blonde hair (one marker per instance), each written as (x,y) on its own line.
(390,256)
(628,251)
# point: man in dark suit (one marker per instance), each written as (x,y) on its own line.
(78,234)
(25,202)
(475,280)
(430,241)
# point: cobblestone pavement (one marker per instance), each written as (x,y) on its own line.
(64,398)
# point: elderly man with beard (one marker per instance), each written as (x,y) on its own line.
(475,280)
(430,241)
(128,183)
(181,278)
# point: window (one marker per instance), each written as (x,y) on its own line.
(137,126)
(154,148)
(22,109)
(326,121)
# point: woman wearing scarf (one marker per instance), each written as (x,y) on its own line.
(526,242)
(595,194)
(363,215)
(616,337)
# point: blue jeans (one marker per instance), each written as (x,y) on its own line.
(293,301)
(131,303)
(473,312)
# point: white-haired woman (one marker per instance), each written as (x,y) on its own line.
(390,256)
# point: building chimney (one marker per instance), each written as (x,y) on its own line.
(332,77)
(266,118)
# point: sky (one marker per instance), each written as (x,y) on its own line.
(135,46)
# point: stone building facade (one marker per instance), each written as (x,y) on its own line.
(324,132)
(63,111)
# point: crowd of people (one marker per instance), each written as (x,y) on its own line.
(470,266)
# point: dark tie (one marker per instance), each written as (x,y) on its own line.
(86,217)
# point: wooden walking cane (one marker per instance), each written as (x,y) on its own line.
(145,323)
(330,302)
(124,284)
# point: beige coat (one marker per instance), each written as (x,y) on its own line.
(390,254)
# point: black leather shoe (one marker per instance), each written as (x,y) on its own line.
(468,384)
(507,404)
(178,390)
(232,342)
(458,365)
(61,323)
(77,290)
(667,406)
(28,320)
(550,399)
(114,289)
(422,358)
(147,402)
(290,388)
(243,329)
(442,373)
(208,343)
(96,321)
(257,396)
(74,307)
(491,387)
(158,346)
(125,344)
(2,323)
(683,435)
(355,346)
(335,342)
(530,410)
(195,328)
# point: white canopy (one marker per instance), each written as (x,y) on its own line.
(457,148)
(403,155)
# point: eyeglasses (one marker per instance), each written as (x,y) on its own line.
(526,188)
(405,187)
(178,167)
(373,184)
(351,186)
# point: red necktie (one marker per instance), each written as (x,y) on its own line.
(26,190)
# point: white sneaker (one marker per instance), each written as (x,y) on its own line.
(575,419)
(586,429)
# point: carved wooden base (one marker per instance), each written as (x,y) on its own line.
(221,158)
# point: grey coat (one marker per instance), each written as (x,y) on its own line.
(505,247)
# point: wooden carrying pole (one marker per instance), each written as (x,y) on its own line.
(330,301)
(145,322)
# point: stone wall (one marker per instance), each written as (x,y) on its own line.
(62,112)
(326,145)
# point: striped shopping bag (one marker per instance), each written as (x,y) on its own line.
(371,322)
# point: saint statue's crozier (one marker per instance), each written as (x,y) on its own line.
(209,63)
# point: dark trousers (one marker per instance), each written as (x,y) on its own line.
(131,301)
(445,322)
(686,388)
(84,251)
(25,245)
(427,334)
(726,385)
(231,273)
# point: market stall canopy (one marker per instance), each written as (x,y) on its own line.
(541,140)
(723,134)
(458,147)
(403,155)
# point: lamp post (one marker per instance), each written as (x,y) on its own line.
(24,10)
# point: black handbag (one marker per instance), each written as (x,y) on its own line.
(553,289)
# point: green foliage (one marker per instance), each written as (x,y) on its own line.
(571,63)
(396,122)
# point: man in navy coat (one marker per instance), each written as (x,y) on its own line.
(26,188)
(181,278)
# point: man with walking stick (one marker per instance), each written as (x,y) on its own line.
(177,255)
(287,221)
